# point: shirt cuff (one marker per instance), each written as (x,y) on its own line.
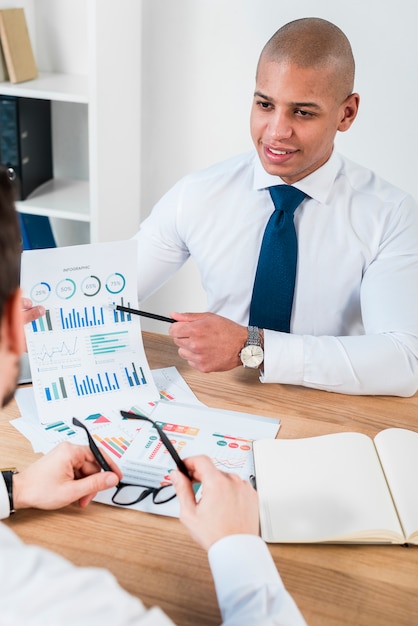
(248,585)
(283,358)
(239,561)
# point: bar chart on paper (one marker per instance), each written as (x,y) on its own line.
(81,318)
(115,446)
(114,440)
(81,350)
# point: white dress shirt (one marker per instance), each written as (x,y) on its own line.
(354,326)
(40,588)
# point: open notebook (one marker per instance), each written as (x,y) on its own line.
(342,487)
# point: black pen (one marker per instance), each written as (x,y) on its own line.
(153,316)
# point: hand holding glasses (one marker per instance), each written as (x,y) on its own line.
(127,494)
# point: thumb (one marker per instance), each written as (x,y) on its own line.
(89,486)
(184,491)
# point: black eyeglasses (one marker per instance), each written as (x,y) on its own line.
(127,494)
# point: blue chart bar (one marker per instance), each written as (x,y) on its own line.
(56,391)
(86,317)
(134,379)
(104,343)
(100,383)
(121,316)
(42,324)
(60,427)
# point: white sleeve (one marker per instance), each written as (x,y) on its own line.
(161,251)
(39,588)
(375,364)
(383,360)
(248,586)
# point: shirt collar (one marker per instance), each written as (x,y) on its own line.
(316,185)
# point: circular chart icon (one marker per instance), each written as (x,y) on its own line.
(40,292)
(91,286)
(66,288)
(115,283)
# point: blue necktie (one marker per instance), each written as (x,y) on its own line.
(274,283)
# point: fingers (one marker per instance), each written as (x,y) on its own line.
(201,468)
(228,504)
(187,317)
(31,313)
(88,474)
(185,494)
(83,461)
(26,303)
(68,473)
(85,489)
(208,342)
(182,329)
(115,468)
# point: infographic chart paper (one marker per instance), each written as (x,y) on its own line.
(84,356)
(226,437)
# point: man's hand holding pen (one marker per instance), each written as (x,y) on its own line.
(228,506)
(208,342)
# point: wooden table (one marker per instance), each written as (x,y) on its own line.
(154,558)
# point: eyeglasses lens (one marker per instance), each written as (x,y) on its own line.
(127,495)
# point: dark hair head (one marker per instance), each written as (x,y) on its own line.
(10,241)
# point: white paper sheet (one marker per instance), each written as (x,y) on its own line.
(84,356)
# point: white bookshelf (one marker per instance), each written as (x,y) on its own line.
(89,62)
(50,86)
(60,198)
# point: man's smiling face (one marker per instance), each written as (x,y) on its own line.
(295,116)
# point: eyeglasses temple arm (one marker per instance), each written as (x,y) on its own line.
(93,447)
(178,461)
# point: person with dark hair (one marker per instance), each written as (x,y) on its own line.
(38,587)
(328,301)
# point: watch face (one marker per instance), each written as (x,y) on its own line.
(252,356)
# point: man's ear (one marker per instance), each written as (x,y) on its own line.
(11,325)
(349,110)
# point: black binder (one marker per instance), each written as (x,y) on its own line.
(26,142)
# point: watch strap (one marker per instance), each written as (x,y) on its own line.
(8,480)
(253,336)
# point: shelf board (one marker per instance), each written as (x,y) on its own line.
(59,197)
(48,86)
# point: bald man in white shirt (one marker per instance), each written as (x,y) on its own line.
(354,321)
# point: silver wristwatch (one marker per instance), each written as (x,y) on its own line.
(252,354)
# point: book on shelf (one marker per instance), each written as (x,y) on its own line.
(339,488)
(16,46)
(4,75)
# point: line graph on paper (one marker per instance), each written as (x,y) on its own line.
(55,353)
(231,454)
(230,465)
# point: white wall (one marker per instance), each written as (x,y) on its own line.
(198,67)
(199,59)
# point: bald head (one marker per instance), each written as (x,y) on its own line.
(314,42)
